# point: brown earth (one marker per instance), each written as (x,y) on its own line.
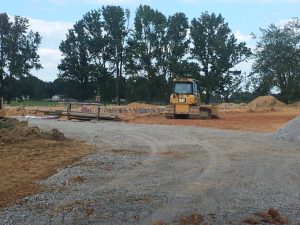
(139,105)
(266,102)
(266,121)
(30,154)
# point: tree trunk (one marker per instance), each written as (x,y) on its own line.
(118,83)
(207,97)
(9,89)
(1,86)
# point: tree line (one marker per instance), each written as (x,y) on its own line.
(104,54)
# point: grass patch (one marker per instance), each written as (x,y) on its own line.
(33,103)
(4,124)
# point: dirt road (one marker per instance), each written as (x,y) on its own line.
(156,174)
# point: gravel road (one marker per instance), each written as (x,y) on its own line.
(143,174)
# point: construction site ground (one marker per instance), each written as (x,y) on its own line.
(144,171)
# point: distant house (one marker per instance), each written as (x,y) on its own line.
(58,98)
(25,97)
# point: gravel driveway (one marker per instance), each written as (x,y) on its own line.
(143,174)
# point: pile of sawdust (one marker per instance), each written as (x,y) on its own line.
(20,132)
(29,154)
(295,104)
(231,106)
(139,105)
(18,111)
(266,102)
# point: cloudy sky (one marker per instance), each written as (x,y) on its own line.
(52,19)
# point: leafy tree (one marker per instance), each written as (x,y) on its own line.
(32,86)
(177,46)
(216,51)
(277,61)
(145,46)
(18,51)
(116,32)
(76,62)
(93,51)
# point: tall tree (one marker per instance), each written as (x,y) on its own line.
(145,47)
(5,27)
(116,32)
(19,47)
(277,60)
(216,51)
(76,62)
(177,46)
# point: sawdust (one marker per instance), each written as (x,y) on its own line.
(30,154)
(266,102)
(127,152)
(19,111)
(173,155)
(272,216)
(225,106)
(76,179)
(194,219)
(139,105)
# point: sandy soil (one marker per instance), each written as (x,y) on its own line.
(266,121)
(29,154)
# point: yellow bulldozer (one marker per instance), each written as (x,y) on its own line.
(185,102)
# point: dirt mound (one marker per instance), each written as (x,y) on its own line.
(14,131)
(266,102)
(140,105)
(295,104)
(231,105)
(290,131)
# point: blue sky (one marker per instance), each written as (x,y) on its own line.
(52,19)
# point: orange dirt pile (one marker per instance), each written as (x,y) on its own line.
(266,102)
(272,216)
(30,154)
(266,121)
(18,111)
(194,219)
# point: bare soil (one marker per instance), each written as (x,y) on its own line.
(266,121)
(30,154)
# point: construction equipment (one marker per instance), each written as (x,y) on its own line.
(185,102)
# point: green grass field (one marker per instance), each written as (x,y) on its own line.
(33,103)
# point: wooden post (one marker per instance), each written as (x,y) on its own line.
(69,110)
(1,103)
(98,112)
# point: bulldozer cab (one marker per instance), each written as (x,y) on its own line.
(185,86)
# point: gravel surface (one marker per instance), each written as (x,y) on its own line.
(290,131)
(142,174)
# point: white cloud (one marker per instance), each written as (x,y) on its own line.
(99,2)
(52,32)
(49,58)
(242,37)
(110,2)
